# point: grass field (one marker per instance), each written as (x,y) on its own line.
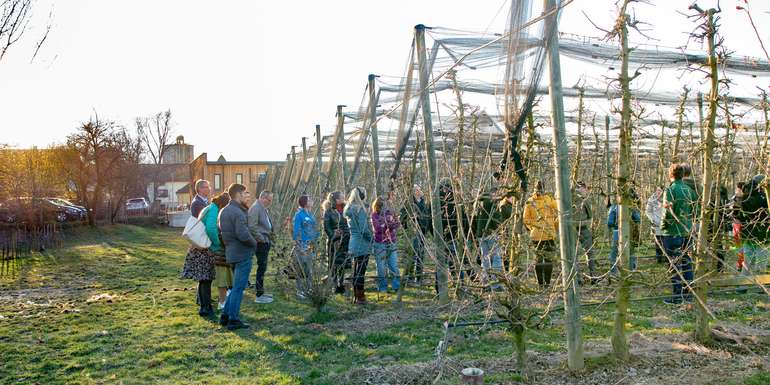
(110,308)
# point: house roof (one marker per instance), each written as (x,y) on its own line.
(184,190)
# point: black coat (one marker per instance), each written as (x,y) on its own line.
(417,212)
(337,236)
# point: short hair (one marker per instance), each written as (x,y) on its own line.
(199,183)
(265,193)
(676,171)
(235,188)
(686,170)
(302,201)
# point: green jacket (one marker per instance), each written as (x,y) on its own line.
(490,214)
(209,218)
(679,216)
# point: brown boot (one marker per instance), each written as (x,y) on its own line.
(360,296)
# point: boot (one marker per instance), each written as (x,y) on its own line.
(360,296)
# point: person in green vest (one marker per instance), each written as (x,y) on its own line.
(680,203)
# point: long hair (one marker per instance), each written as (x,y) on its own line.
(221,200)
(356,198)
(331,201)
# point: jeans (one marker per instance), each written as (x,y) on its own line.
(304,255)
(262,251)
(386,257)
(614,254)
(419,252)
(586,241)
(491,260)
(659,256)
(360,264)
(241,272)
(681,265)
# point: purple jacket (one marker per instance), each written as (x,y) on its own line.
(385,226)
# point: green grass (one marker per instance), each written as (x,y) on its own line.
(151,333)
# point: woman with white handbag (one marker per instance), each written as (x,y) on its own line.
(200,262)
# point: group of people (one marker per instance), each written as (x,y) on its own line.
(240,230)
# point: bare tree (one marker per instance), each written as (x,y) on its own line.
(15,16)
(90,159)
(154,133)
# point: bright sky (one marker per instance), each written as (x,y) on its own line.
(247,79)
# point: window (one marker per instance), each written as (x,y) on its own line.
(162,193)
(217,182)
(239,178)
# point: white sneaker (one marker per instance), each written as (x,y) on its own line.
(263,299)
(267,295)
(301,296)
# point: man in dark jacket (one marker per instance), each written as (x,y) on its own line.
(239,250)
(261,227)
(201,199)
(417,213)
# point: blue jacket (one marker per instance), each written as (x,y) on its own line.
(612,217)
(360,231)
(209,217)
(305,227)
(240,245)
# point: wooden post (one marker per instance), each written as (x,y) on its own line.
(579,139)
(573,323)
(607,157)
(679,126)
(373,98)
(403,137)
(316,177)
(371,113)
(301,166)
(339,136)
(430,152)
(289,174)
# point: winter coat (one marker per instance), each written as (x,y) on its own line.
(360,231)
(305,227)
(541,217)
(197,205)
(260,225)
(752,212)
(490,214)
(209,217)
(337,235)
(240,245)
(385,226)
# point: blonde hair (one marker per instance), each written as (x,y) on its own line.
(354,198)
(331,201)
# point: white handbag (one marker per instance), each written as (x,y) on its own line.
(195,233)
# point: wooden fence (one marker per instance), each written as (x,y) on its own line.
(20,241)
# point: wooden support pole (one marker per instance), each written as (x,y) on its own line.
(607,157)
(573,323)
(373,99)
(287,180)
(296,184)
(365,129)
(430,153)
(339,136)
(316,177)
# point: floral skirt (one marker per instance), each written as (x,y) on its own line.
(199,265)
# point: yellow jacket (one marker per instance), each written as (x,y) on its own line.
(541,217)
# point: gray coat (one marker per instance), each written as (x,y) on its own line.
(360,231)
(240,245)
(260,224)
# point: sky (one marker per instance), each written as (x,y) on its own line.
(248,79)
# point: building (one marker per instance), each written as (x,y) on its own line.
(179,169)
(255,175)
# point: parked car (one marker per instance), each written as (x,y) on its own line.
(32,210)
(136,204)
(82,212)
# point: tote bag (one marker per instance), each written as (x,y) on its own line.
(195,233)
